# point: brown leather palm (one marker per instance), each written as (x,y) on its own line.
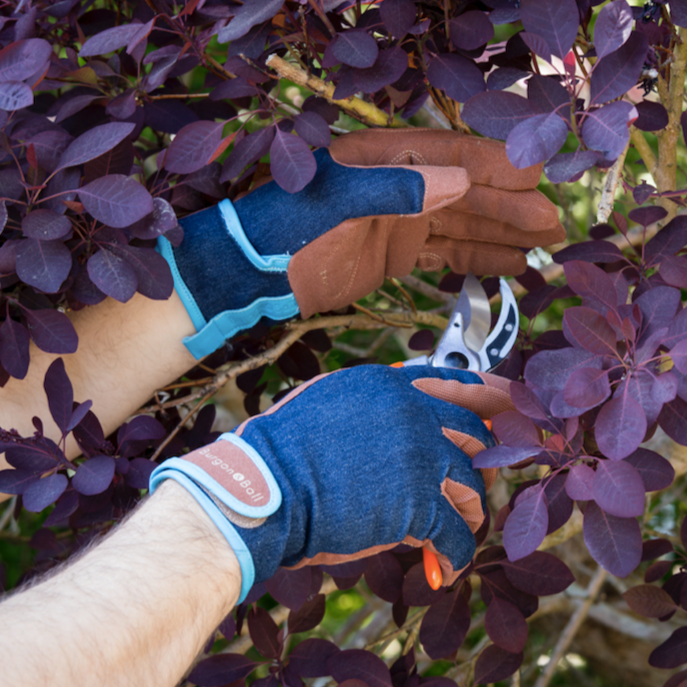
(478,212)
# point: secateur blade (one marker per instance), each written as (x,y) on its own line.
(473,347)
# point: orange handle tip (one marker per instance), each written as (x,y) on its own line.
(487,424)
(432,569)
(398,364)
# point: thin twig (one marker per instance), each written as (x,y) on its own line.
(605,208)
(366,112)
(572,627)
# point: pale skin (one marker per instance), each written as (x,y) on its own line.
(137,608)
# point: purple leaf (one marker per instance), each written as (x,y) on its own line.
(587,329)
(590,251)
(647,215)
(673,420)
(655,548)
(116,200)
(471,30)
(457,76)
(16,481)
(618,489)
(355,48)
(656,472)
(160,220)
(152,271)
(505,625)
(45,225)
(60,394)
(606,129)
(587,388)
(535,140)
(502,78)
(673,652)
(398,16)
(76,104)
(220,669)
(422,340)
(248,15)
(551,369)
(44,492)
(618,72)
(669,240)
(497,584)
(234,88)
(556,21)
(22,59)
(94,142)
(539,574)
(526,526)
(504,456)
(247,151)
(536,44)
(649,601)
(578,485)
(14,348)
(592,283)
(560,505)
(78,414)
(658,306)
(384,576)
(495,664)
(15,95)
(614,543)
(141,428)
(264,633)
(308,616)
(52,331)
(328,111)
(678,13)
(358,664)
(445,625)
(292,163)
(416,591)
(546,93)
(123,106)
(620,427)
(309,658)
(567,166)
(64,507)
(312,128)
(673,271)
(112,275)
(388,68)
(613,27)
(109,40)
(514,429)
(138,475)
(94,475)
(43,264)
(194,147)
(496,113)
(652,116)
(643,191)
(290,587)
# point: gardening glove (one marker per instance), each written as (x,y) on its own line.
(349,464)
(381,203)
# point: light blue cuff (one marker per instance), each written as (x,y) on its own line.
(237,544)
(211,335)
(230,322)
(264,263)
(164,248)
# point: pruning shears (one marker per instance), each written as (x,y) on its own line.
(468,344)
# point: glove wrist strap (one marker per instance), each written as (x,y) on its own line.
(232,483)
(219,230)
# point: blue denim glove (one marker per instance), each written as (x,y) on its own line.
(349,464)
(381,203)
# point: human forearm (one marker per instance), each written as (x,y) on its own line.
(126,351)
(135,610)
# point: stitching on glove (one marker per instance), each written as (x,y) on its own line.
(435,261)
(411,154)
